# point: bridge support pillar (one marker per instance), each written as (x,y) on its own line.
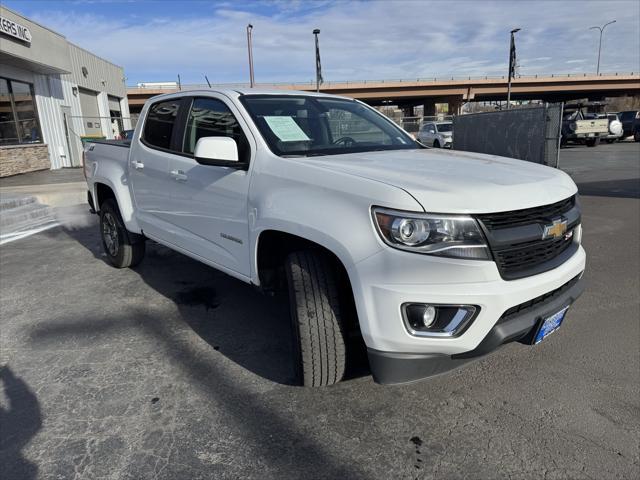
(429,109)
(407,110)
(454,106)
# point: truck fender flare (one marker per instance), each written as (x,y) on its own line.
(122,195)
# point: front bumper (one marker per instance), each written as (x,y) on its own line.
(393,368)
(385,281)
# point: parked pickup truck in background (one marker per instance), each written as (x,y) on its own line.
(430,257)
(577,127)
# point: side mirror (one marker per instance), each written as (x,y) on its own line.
(217,151)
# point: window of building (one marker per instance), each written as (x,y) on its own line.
(210,117)
(161,119)
(18,115)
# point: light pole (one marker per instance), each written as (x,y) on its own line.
(512,64)
(316,32)
(250,48)
(600,44)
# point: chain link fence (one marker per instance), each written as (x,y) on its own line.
(531,133)
(413,124)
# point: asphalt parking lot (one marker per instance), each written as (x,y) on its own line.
(175,371)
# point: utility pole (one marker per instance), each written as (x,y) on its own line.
(316,32)
(512,65)
(600,44)
(250,48)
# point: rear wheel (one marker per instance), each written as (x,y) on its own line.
(592,142)
(123,248)
(636,136)
(611,140)
(319,340)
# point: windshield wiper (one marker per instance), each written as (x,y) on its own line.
(301,155)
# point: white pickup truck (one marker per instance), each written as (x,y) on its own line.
(432,258)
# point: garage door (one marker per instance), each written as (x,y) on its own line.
(90,113)
(114,104)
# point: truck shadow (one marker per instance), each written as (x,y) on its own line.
(266,433)
(19,423)
(236,319)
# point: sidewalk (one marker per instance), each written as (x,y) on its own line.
(37,201)
(55,188)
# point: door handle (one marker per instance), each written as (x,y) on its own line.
(179,175)
(137,165)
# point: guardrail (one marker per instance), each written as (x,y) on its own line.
(312,83)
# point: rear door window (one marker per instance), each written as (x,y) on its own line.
(161,123)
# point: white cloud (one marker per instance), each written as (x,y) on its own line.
(359,40)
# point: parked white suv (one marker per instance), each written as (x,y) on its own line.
(433,257)
(436,134)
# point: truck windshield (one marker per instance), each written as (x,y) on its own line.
(298,125)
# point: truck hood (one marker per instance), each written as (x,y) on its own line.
(456,182)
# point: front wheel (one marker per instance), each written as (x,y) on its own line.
(436,144)
(319,340)
(123,248)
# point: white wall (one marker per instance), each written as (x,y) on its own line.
(49,98)
(126,115)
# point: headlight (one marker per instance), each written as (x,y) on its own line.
(445,235)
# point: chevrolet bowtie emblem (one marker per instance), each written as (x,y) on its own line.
(556,230)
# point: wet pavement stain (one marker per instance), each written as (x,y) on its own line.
(198,296)
(417,443)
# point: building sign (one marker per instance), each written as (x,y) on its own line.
(9,27)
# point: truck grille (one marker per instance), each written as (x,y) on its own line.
(518,250)
(528,255)
(514,218)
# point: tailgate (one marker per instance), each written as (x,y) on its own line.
(599,125)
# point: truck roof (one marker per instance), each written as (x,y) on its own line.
(238,92)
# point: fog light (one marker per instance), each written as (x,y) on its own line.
(426,320)
(429,315)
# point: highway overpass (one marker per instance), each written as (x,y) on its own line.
(455,91)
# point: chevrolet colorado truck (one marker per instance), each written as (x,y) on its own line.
(429,257)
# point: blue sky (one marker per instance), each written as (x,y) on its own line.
(157,40)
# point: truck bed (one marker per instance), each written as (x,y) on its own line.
(118,143)
(101,152)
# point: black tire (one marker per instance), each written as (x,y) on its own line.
(319,340)
(123,248)
(592,142)
(636,136)
(436,144)
(611,140)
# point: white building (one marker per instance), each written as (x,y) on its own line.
(52,95)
